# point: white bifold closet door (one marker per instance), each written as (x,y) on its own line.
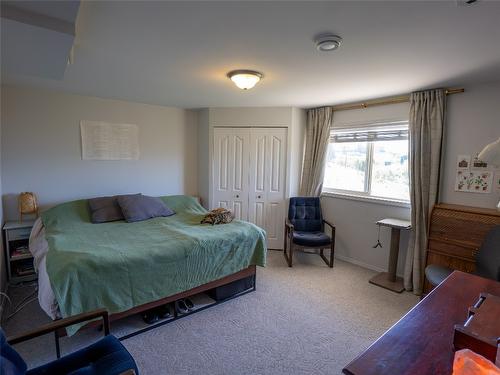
(230,170)
(267,182)
(249,177)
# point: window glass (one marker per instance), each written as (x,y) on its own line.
(346,166)
(369,161)
(390,170)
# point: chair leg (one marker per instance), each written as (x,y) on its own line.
(284,240)
(332,252)
(288,257)
(332,248)
(322,255)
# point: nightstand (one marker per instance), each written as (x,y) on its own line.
(17,255)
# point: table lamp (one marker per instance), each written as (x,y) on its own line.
(28,204)
(491,155)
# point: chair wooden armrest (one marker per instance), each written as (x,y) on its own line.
(62,323)
(128,372)
(288,226)
(329,224)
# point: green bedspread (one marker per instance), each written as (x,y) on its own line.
(121,265)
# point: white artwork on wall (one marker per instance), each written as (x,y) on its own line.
(474,181)
(472,175)
(463,162)
(497,181)
(108,141)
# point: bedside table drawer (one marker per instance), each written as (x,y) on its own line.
(18,234)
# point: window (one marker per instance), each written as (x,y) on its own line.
(369,161)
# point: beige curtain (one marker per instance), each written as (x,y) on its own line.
(319,121)
(427,114)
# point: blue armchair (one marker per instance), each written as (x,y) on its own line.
(107,356)
(304,229)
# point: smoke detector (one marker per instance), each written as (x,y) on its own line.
(327,42)
(466,2)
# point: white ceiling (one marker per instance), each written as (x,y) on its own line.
(177,53)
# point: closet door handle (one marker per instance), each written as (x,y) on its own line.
(259,196)
(237,196)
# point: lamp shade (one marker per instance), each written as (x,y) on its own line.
(491,153)
(245,79)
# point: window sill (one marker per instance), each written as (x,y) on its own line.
(362,198)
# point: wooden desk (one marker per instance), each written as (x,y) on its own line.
(421,342)
(389,280)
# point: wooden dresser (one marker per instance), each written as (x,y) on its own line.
(456,234)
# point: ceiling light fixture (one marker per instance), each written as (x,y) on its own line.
(328,42)
(245,79)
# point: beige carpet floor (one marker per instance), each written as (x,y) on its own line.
(308,319)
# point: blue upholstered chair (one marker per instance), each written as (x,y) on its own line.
(304,229)
(487,261)
(106,357)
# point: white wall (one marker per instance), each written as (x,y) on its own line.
(41,150)
(204,161)
(297,143)
(473,122)
(356,231)
(250,116)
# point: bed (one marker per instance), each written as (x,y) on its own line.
(125,266)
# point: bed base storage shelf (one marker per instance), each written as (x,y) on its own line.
(234,282)
(232,289)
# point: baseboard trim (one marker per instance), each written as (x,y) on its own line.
(362,264)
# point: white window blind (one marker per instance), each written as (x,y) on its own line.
(371,133)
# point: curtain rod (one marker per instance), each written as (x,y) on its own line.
(384,101)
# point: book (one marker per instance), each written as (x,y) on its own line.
(25,272)
(20,251)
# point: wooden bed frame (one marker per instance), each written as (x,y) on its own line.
(247,272)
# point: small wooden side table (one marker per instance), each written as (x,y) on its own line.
(18,259)
(389,280)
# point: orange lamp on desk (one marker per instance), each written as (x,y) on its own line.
(28,205)
(466,362)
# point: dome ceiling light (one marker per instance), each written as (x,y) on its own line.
(327,42)
(245,79)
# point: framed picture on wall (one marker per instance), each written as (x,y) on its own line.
(463,162)
(478,164)
(474,181)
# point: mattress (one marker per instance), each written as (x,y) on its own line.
(39,248)
(118,266)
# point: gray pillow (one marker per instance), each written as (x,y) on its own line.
(104,209)
(140,207)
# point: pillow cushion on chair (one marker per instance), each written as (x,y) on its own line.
(312,239)
(11,362)
(104,209)
(305,214)
(140,207)
(436,274)
(107,356)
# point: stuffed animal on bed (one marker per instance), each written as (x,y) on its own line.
(217,216)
